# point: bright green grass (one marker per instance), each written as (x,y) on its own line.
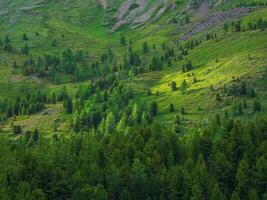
(238,55)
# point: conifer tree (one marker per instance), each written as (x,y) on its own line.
(110,123)
(153,108)
(145,48)
(35,135)
(25,37)
(256,106)
(123,41)
(173,86)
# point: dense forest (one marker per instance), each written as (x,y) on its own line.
(225,161)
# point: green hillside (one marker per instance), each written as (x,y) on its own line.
(133,99)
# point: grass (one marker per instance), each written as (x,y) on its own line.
(241,55)
(235,59)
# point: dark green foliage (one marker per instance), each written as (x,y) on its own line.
(177,124)
(7,40)
(188,66)
(149,92)
(237,109)
(256,106)
(183,86)
(171,108)
(134,59)
(173,86)
(238,26)
(245,104)
(25,37)
(35,136)
(147,163)
(218,97)
(187,19)
(28,103)
(243,88)
(15,66)
(194,80)
(252,93)
(123,41)
(182,110)
(17,129)
(153,110)
(156,64)
(25,49)
(211,36)
(145,48)
(54,43)
(68,105)
(239,89)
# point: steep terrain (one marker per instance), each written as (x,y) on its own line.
(83,25)
(133,99)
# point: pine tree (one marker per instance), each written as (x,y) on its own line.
(121,126)
(216,193)
(256,106)
(15,66)
(25,49)
(25,37)
(17,129)
(37,194)
(252,195)
(110,123)
(235,196)
(156,64)
(243,176)
(173,86)
(68,105)
(177,124)
(146,118)
(183,86)
(252,93)
(245,104)
(35,135)
(222,170)
(182,110)
(54,43)
(243,89)
(123,41)
(153,108)
(7,40)
(218,97)
(136,114)
(172,108)
(145,48)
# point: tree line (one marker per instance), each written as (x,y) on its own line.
(226,161)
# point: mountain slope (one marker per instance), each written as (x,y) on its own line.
(221,61)
(133,99)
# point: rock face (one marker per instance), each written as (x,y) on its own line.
(103,3)
(216,19)
(138,12)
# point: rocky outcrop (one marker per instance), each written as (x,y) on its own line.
(216,19)
(138,12)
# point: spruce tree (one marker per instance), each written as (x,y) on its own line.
(25,37)
(35,135)
(256,106)
(171,108)
(153,108)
